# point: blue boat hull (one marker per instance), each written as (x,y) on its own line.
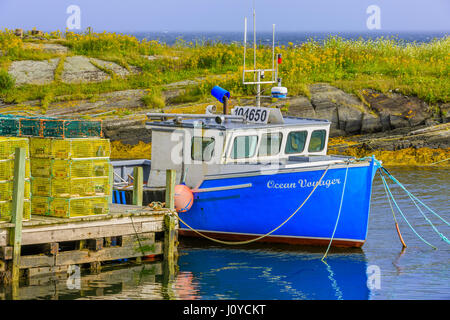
(242,207)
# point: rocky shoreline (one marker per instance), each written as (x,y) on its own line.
(406,121)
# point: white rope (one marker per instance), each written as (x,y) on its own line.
(339,214)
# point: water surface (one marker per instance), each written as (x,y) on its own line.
(379,270)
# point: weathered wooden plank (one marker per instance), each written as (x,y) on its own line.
(118,212)
(86,256)
(106,254)
(33,261)
(152,226)
(55,234)
(135,238)
(77,234)
(105,222)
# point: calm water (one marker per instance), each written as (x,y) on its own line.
(208,271)
(282,38)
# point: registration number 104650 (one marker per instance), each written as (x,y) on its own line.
(253,114)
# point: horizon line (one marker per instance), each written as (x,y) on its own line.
(260,31)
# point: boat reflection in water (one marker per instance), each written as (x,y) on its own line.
(256,272)
(261,273)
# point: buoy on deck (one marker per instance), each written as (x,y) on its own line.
(184,198)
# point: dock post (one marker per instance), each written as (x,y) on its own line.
(111,182)
(170,255)
(170,188)
(15,235)
(138,182)
(170,237)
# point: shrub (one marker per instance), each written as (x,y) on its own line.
(6,81)
(154,98)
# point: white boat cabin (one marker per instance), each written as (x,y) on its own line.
(202,145)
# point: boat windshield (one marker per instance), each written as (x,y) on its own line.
(296,141)
(244,147)
(202,148)
(270,144)
(317,141)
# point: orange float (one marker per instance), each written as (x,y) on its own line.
(184,198)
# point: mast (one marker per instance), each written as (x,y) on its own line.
(258,74)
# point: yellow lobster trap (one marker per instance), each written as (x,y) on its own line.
(70,187)
(69,148)
(71,168)
(7,169)
(70,207)
(8,147)
(7,186)
(6,210)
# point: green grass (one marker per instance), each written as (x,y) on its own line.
(154,98)
(384,65)
(6,81)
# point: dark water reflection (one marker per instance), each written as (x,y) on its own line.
(380,270)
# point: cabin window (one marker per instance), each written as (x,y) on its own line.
(244,147)
(270,144)
(317,141)
(202,148)
(296,141)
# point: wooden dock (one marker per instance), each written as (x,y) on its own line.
(48,245)
(52,245)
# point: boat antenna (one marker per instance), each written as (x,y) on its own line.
(254,40)
(258,74)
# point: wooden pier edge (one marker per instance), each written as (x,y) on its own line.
(48,245)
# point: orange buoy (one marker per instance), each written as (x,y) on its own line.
(184,198)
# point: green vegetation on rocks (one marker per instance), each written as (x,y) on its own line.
(384,65)
(6,81)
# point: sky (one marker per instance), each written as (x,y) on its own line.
(226,15)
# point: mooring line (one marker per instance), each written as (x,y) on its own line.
(339,214)
(409,193)
(406,220)
(414,199)
(393,214)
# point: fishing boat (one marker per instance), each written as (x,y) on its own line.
(251,174)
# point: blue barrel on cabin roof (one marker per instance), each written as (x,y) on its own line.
(218,93)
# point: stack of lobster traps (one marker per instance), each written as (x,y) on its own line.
(67,166)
